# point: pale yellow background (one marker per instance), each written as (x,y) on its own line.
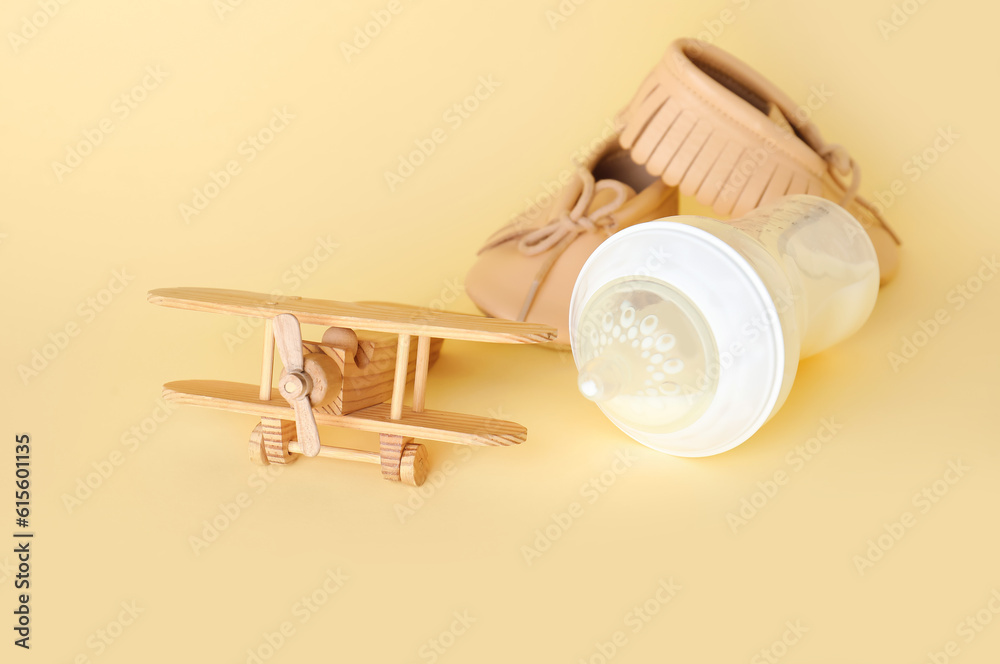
(461,550)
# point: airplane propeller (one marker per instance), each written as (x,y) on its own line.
(295,384)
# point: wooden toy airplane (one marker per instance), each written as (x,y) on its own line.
(346,379)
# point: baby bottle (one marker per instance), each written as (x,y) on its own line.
(687,332)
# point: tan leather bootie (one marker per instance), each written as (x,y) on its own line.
(708,123)
(527,269)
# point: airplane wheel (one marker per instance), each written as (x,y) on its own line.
(258,455)
(277,434)
(413,465)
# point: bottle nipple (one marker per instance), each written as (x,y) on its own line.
(644,352)
(602,378)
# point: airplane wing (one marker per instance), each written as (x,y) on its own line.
(376,317)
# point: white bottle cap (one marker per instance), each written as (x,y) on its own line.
(729,350)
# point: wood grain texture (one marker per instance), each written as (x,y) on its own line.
(375,317)
(288,338)
(277,433)
(340,453)
(390,450)
(455,428)
(370,383)
(256,451)
(327,378)
(414,464)
(399,377)
(420,374)
(342,337)
(294,384)
(267,361)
